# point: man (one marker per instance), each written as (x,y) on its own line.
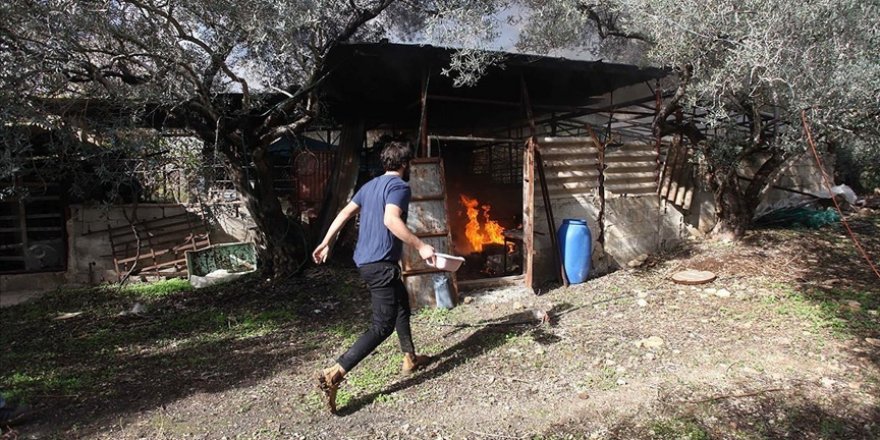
(382,203)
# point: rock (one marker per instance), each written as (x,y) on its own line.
(642,294)
(637,261)
(652,342)
(468,299)
(621,381)
(873,312)
(853,306)
(539,351)
(642,303)
(710,290)
(722,293)
(583,395)
(827,382)
(65,316)
(518,306)
(873,341)
(649,356)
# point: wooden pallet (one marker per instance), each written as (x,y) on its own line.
(157,247)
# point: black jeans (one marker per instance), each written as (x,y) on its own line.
(390,312)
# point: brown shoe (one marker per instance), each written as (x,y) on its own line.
(328,382)
(413,362)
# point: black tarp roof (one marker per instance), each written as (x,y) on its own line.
(382,82)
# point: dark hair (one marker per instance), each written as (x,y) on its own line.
(395,155)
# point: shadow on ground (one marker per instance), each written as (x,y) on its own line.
(78,358)
(769,416)
(490,335)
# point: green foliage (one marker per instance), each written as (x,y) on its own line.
(858,164)
(159,289)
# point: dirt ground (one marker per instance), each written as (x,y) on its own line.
(784,344)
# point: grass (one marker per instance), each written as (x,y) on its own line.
(826,308)
(677,429)
(434,315)
(604,380)
(45,355)
(158,289)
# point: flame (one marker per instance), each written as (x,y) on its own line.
(478,235)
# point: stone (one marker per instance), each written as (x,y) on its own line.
(642,303)
(518,306)
(710,290)
(853,306)
(642,294)
(873,341)
(651,342)
(638,261)
(621,381)
(468,299)
(722,293)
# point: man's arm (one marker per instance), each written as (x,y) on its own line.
(394,222)
(321,252)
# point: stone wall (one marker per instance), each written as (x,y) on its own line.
(89,256)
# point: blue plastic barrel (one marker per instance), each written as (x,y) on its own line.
(575,247)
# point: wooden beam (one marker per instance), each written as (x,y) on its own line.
(423,118)
(475,139)
(561,276)
(529,213)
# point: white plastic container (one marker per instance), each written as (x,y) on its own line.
(449,263)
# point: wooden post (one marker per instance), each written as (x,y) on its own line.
(423,119)
(561,276)
(529,190)
(529,213)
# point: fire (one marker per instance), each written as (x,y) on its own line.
(480,234)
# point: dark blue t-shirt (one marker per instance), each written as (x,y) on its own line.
(375,241)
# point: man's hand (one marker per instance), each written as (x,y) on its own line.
(321,253)
(426,251)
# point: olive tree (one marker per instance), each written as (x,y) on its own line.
(238,75)
(749,69)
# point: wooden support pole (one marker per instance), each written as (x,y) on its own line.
(561,276)
(423,118)
(528,213)
(528,191)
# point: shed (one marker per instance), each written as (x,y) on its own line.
(583,125)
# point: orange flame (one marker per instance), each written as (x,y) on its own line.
(478,235)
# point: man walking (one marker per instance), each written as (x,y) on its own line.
(382,203)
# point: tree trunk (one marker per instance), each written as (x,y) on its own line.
(733,211)
(280,249)
(736,199)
